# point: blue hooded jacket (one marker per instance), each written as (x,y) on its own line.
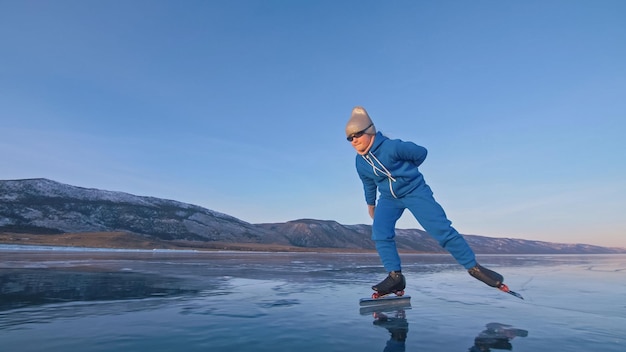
(391,166)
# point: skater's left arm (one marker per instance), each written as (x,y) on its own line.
(412,152)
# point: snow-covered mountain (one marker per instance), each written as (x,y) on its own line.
(42,206)
(45,206)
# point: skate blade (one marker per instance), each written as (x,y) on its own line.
(385,300)
(505,288)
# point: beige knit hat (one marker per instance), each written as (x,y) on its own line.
(359,120)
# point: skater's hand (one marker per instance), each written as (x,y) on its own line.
(371,209)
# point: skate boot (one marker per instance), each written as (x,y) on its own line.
(393,283)
(487,276)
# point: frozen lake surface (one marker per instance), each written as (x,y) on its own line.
(55,300)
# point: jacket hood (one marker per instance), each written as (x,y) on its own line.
(378,140)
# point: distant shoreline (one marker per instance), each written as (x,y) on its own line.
(127,241)
(130,241)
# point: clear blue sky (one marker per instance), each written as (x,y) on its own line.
(240,106)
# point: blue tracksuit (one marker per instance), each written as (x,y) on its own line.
(391,167)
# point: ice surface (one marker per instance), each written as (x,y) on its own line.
(167,301)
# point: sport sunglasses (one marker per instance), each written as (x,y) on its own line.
(358,134)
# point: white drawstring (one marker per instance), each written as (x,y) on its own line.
(383,170)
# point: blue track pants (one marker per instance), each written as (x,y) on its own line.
(430,215)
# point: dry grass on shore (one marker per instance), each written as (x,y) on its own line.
(125,240)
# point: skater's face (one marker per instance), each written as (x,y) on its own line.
(362,142)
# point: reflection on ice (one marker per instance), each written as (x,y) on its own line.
(28,287)
(496,336)
(398,328)
(145,301)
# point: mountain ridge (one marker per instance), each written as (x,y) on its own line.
(42,206)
